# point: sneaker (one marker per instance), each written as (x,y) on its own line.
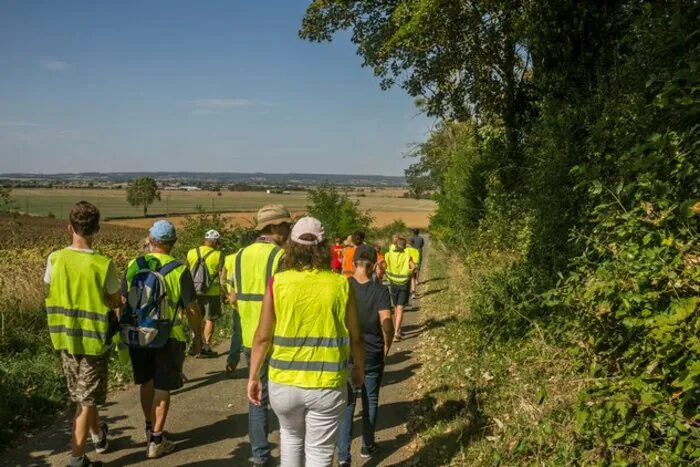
(102,445)
(344,464)
(231,369)
(85,462)
(156,450)
(207,353)
(368,452)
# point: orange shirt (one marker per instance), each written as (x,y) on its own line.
(348,261)
(377,268)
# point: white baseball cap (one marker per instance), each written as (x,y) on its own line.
(212,235)
(308,225)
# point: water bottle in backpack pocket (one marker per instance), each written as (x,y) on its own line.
(200,273)
(145,321)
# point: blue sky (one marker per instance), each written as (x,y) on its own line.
(200,86)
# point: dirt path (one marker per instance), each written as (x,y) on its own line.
(208,418)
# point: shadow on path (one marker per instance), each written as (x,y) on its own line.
(230,428)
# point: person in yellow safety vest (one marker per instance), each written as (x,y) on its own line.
(414,253)
(248,272)
(310,319)
(209,298)
(394,239)
(399,268)
(159,370)
(83,291)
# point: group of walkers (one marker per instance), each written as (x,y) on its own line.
(314,340)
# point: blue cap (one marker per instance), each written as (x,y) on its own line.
(163,231)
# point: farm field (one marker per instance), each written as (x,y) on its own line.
(245,219)
(386,205)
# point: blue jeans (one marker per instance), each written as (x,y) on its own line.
(374,370)
(234,353)
(258,417)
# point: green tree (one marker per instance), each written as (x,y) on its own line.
(7,204)
(142,192)
(460,58)
(339,214)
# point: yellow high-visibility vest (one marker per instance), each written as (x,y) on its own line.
(414,253)
(77,315)
(253,266)
(213,263)
(398,269)
(311,343)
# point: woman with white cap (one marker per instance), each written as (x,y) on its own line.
(310,320)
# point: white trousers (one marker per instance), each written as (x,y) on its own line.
(309,421)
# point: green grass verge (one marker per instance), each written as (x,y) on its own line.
(483,402)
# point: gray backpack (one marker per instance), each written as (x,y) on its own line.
(200,273)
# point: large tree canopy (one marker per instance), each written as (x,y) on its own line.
(464,57)
(142,192)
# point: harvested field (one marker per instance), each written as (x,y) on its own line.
(112,203)
(381,218)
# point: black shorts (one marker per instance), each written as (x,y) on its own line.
(163,365)
(399,295)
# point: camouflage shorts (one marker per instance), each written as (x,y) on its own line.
(87,378)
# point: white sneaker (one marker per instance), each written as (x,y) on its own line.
(159,450)
(102,444)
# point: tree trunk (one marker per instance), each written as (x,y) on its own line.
(145,210)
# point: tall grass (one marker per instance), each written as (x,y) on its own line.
(483,400)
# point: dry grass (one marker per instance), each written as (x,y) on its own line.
(483,402)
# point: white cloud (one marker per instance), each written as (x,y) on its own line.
(54,65)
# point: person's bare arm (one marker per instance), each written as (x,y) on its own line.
(194,317)
(387,325)
(357,341)
(261,344)
(411,265)
(223,285)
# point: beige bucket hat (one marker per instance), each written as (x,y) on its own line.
(273,214)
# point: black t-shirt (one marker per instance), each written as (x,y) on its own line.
(371,297)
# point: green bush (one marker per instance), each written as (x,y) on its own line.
(339,214)
(191,234)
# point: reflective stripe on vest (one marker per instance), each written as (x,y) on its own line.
(311,344)
(77,316)
(308,366)
(398,268)
(250,277)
